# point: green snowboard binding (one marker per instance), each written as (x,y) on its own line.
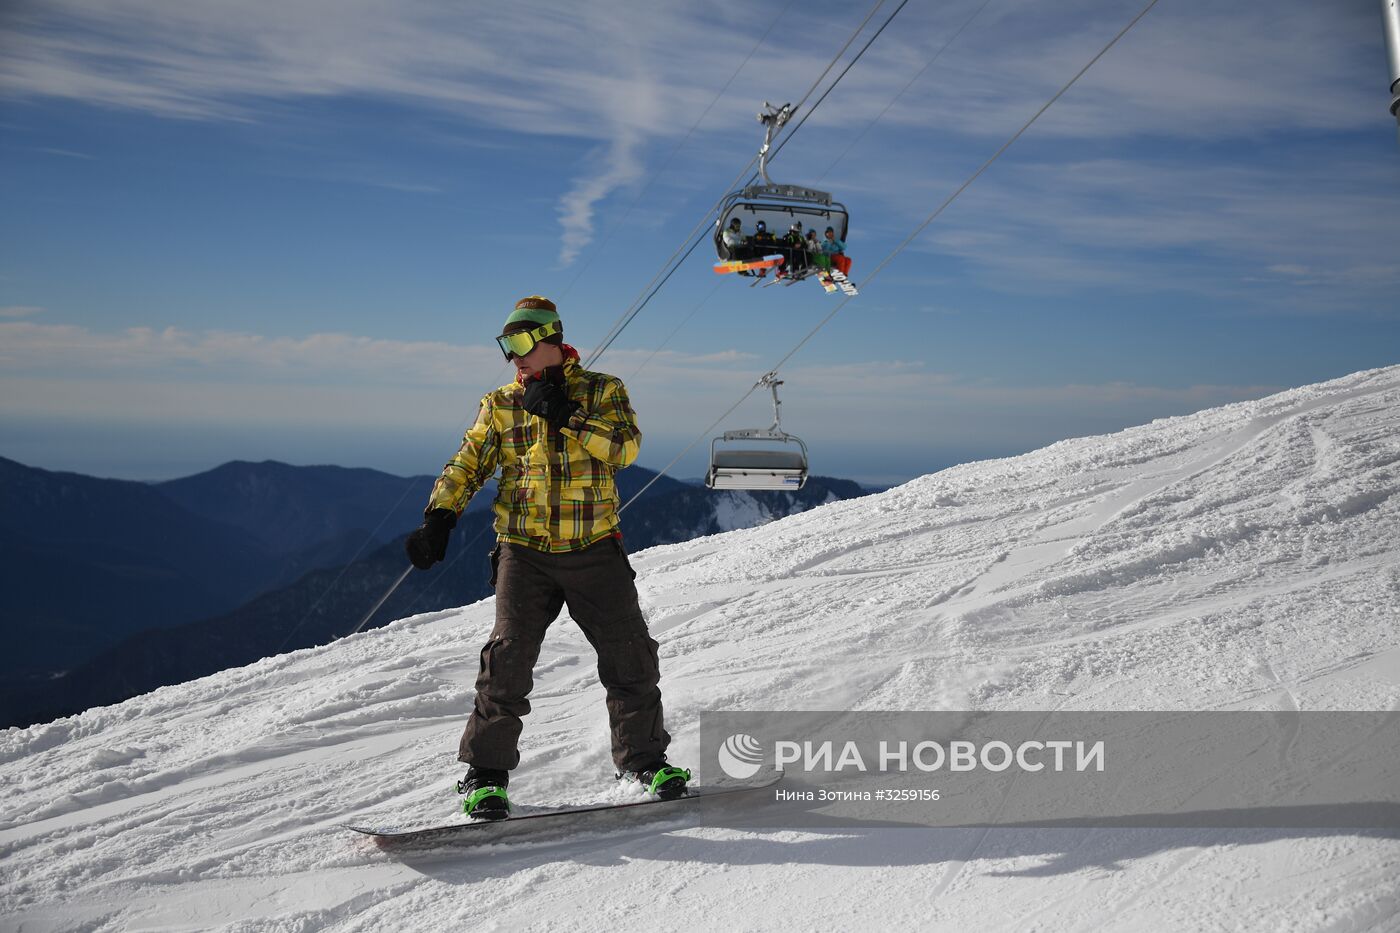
(484,791)
(662,781)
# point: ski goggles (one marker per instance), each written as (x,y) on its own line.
(523,341)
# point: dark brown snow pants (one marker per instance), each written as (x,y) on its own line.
(531,587)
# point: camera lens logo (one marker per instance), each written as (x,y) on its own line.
(741,756)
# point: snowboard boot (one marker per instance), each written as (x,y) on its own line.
(660,780)
(484,794)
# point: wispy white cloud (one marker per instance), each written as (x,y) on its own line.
(622,75)
(621,165)
(194,368)
(176,356)
(324,389)
(20,311)
(66,153)
(1166,223)
(1192,69)
(615,75)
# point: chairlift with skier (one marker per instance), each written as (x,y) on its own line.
(751,220)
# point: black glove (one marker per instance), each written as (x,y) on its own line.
(549,400)
(428,545)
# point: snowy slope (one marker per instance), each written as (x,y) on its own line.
(1246,557)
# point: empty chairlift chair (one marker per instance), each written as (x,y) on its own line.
(762,468)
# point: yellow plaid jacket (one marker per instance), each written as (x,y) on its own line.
(556,489)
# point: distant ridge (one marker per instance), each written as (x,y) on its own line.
(290,508)
(318,550)
(92,561)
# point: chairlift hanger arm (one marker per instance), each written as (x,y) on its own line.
(1391,11)
(773,120)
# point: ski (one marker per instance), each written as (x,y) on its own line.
(737,265)
(563,821)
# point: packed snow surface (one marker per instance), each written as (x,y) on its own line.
(1246,557)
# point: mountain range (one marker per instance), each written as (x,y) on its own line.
(121,587)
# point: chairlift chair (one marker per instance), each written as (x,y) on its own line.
(747,468)
(778,206)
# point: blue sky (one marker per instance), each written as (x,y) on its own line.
(291,229)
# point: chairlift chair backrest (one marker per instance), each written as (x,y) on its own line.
(778,206)
(738,468)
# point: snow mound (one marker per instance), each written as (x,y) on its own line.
(1245,557)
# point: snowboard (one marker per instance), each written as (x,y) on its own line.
(845,284)
(700,798)
(735,265)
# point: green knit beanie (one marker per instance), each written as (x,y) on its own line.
(530,313)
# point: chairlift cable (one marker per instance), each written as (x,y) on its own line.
(632,312)
(907,240)
(776,149)
(336,582)
(383,599)
(677,329)
(973,177)
(813,109)
(654,285)
(902,91)
(896,251)
(593,254)
(700,437)
(667,268)
(837,57)
(443,572)
(392,588)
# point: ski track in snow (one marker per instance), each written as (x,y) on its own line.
(1246,557)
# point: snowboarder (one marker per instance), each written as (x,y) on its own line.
(835,247)
(557,435)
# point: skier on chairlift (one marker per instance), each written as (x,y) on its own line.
(737,244)
(762,242)
(795,249)
(819,259)
(734,239)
